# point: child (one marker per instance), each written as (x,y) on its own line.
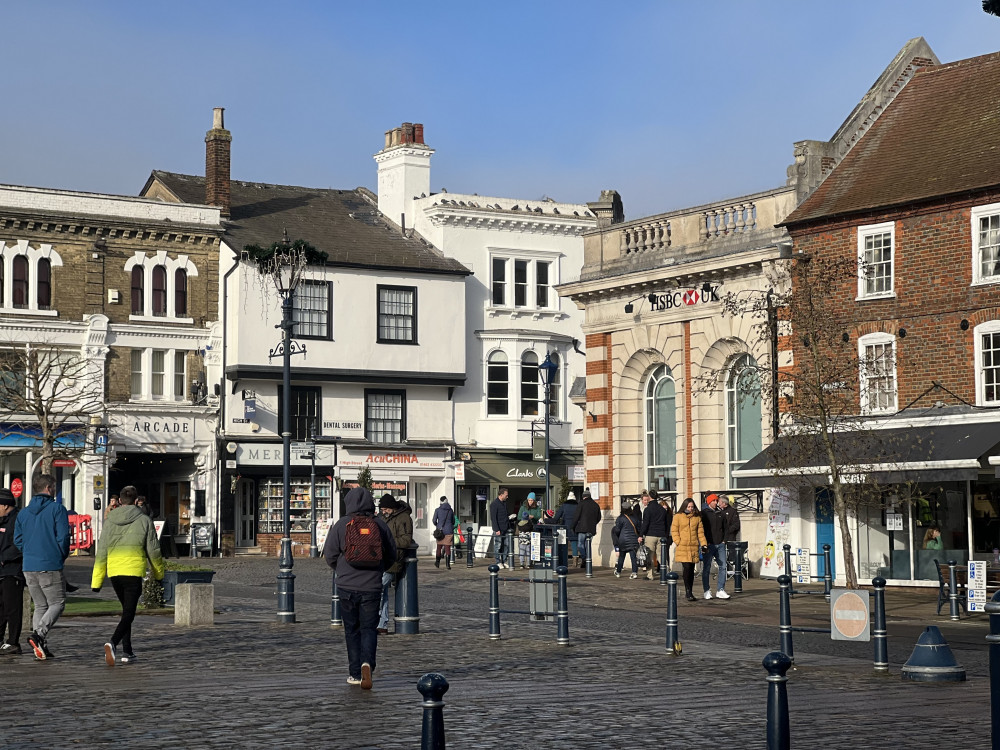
(524,527)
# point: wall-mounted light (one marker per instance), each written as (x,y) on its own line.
(964,325)
(845,337)
(629,308)
(902,333)
(593,417)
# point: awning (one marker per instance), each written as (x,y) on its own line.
(943,453)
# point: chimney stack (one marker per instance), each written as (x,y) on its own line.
(609,209)
(218,142)
(404,172)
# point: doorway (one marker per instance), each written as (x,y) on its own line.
(246,514)
(824,532)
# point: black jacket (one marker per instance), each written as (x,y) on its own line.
(566,514)
(625,534)
(714,523)
(10,555)
(358,501)
(654,520)
(499,516)
(587,516)
(732,526)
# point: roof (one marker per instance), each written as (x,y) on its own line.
(342,223)
(938,137)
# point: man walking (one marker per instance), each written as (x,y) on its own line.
(11,577)
(587,518)
(359,559)
(397,516)
(566,517)
(714,524)
(731,530)
(41,532)
(654,528)
(127,541)
(500,523)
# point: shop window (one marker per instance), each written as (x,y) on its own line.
(529,385)
(661,430)
(177,502)
(743,414)
(397,314)
(987,353)
(385,416)
(306,403)
(877,368)
(986,243)
(875,260)
(312,310)
(497,385)
(420,505)
(180,292)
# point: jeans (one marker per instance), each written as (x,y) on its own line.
(715,552)
(128,589)
(383,617)
(581,544)
(360,610)
(621,561)
(500,548)
(11,607)
(48,592)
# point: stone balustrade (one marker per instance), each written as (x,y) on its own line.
(646,236)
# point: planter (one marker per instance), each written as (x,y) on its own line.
(172,577)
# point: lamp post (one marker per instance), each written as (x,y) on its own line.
(772,328)
(547,370)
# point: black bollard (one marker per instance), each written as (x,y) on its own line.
(953,589)
(664,566)
(494,602)
(562,606)
(993,609)
(335,620)
(788,566)
(785,616)
(469,552)
(673,640)
(590,556)
(777,665)
(881,636)
(407,615)
(738,577)
(511,556)
(827,573)
(432,686)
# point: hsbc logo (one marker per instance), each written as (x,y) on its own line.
(688,297)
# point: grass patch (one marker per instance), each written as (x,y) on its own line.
(85,606)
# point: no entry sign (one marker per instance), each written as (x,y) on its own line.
(849,616)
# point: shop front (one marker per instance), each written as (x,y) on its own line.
(21,449)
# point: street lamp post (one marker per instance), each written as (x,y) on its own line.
(547,369)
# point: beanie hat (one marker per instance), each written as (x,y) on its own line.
(531,495)
(713,498)
(7,497)
(444,498)
(388,501)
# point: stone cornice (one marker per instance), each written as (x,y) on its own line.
(507,221)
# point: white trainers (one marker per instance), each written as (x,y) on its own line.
(353,680)
(633,576)
(721,595)
(617,573)
(708,594)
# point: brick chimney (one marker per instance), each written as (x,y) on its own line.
(404,172)
(218,142)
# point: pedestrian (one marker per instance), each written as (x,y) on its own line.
(41,532)
(141,504)
(444,531)
(524,528)
(689,537)
(532,508)
(732,526)
(128,542)
(11,577)
(932,539)
(113,502)
(359,585)
(714,523)
(566,516)
(500,523)
(625,536)
(587,518)
(653,528)
(398,517)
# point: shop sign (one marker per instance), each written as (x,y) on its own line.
(64,463)
(529,472)
(538,448)
(459,471)
(267,454)
(391,459)
(249,408)
(143,428)
(683,297)
(576,473)
(337,426)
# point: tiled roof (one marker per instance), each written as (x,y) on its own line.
(342,223)
(940,136)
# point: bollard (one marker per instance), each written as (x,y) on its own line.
(335,620)
(494,602)
(993,609)
(788,566)
(953,588)
(738,577)
(827,574)
(664,567)
(590,556)
(881,640)
(511,556)
(785,616)
(432,686)
(407,612)
(562,606)
(777,665)
(469,553)
(673,640)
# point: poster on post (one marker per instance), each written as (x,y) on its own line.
(778,533)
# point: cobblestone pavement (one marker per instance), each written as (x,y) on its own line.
(250,683)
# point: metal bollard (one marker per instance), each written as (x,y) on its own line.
(335,619)
(827,574)
(788,565)
(562,606)
(953,589)
(785,616)
(432,686)
(511,555)
(407,614)
(738,576)
(469,553)
(590,556)
(993,610)
(880,635)
(664,566)
(494,602)
(777,665)
(673,640)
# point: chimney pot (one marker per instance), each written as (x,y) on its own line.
(218,120)
(418,132)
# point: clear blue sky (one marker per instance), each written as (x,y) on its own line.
(671,103)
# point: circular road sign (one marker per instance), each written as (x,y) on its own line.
(849,614)
(16,488)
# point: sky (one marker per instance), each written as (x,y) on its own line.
(670,103)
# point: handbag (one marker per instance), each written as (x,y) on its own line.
(438,534)
(642,555)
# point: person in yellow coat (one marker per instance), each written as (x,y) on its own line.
(689,536)
(128,540)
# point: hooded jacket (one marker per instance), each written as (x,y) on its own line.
(41,532)
(358,502)
(10,556)
(444,519)
(625,533)
(587,517)
(566,514)
(400,523)
(127,540)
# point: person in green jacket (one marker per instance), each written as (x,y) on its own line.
(127,541)
(532,508)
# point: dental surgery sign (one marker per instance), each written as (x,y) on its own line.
(684,297)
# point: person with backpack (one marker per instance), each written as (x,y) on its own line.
(444,532)
(625,536)
(360,548)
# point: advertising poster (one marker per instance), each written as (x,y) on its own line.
(778,533)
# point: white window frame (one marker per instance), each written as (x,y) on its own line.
(981,212)
(486,379)
(147,262)
(170,357)
(990,326)
(877,339)
(735,425)
(33,254)
(864,232)
(532,258)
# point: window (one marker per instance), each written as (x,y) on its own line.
(160,285)
(875,264)
(306,402)
(158,373)
(520,283)
(44,284)
(397,315)
(529,385)
(499,282)
(136,379)
(743,414)
(986,243)
(987,338)
(385,416)
(554,386)
(180,370)
(159,290)
(20,274)
(311,310)
(13,383)
(180,292)
(528,285)
(661,431)
(878,373)
(497,386)
(138,290)
(542,284)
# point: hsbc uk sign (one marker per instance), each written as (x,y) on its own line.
(682,297)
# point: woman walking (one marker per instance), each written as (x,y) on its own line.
(444,532)
(689,536)
(625,536)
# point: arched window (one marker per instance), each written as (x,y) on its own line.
(20,278)
(529,385)
(497,386)
(554,387)
(661,430)
(743,414)
(3,278)
(159,290)
(44,284)
(180,292)
(138,290)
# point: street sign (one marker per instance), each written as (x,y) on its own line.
(249,393)
(301,448)
(849,616)
(99,483)
(16,488)
(65,463)
(976,587)
(538,448)
(460,471)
